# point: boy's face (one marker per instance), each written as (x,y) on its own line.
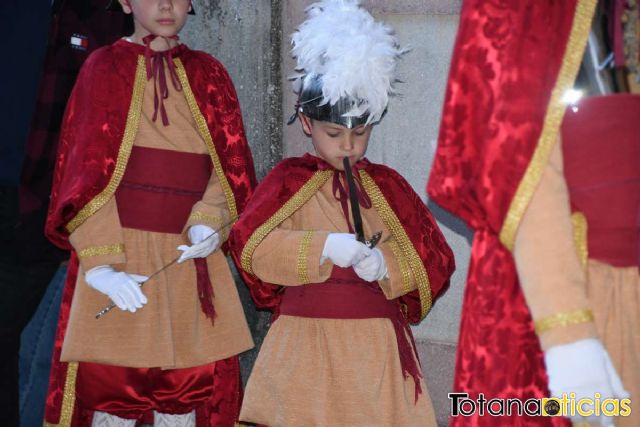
(334,142)
(164,18)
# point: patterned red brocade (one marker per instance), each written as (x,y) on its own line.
(505,65)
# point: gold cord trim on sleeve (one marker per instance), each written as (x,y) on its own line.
(68,397)
(561,320)
(580,228)
(203,129)
(206,219)
(130,131)
(405,271)
(305,193)
(552,121)
(101,250)
(303,255)
(400,235)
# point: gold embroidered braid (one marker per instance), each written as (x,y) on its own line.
(580,227)
(553,118)
(203,129)
(307,191)
(130,130)
(68,397)
(303,254)
(101,250)
(400,235)
(562,320)
(207,219)
(405,271)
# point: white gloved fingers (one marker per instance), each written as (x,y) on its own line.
(199,250)
(186,253)
(139,278)
(616,383)
(138,298)
(119,302)
(128,295)
(199,232)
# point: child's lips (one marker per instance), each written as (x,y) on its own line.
(166,21)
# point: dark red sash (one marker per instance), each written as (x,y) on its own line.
(601,146)
(160,187)
(346,296)
(157,193)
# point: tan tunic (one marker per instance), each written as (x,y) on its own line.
(329,372)
(170,331)
(554,282)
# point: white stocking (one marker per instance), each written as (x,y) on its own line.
(169,420)
(102,419)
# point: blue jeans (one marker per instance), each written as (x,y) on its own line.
(36,347)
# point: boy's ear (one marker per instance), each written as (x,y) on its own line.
(126,7)
(306,124)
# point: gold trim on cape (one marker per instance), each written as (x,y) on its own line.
(580,228)
(400,235)
(203,129)
(68,397)
(301,197)
(130,131)
(552,121)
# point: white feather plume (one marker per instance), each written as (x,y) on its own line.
(354,55)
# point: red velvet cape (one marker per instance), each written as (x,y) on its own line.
(90,157)
(289,176)
(501,116)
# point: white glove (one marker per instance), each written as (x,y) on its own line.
(344,250)
(584,368)
(204,241)
(123,288)
(373,267)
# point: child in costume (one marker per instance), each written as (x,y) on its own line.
(152,156)
(340,352)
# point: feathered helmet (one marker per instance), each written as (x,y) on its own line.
(114,6)
(346,63)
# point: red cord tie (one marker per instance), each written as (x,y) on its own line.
(154,62)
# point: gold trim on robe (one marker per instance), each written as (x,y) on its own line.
(68,397)
(400,235)
(552,121)
(130,131)
(203,129)
(301,197)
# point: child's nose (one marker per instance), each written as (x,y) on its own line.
(347,143)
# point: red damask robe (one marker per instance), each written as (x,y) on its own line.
(511,64)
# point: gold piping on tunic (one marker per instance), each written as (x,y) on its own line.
(301,197)
(400,235)
(563,319)
(101,250)
(552,121)
(203,129)
(209,219)
(405,271)
(130,130)
(580,227)
(303,254)
(68,397)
